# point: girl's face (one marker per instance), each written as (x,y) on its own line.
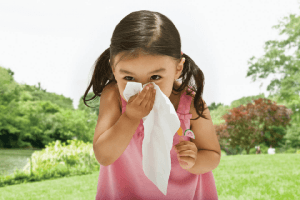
(141,69)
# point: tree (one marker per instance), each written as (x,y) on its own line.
(276,60)
(39,94)
(214,106)
(30,116)
(247,126)
(7,82)
(283,57)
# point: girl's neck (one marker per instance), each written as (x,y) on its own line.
(175,96)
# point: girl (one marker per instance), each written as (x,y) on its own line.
(145,47)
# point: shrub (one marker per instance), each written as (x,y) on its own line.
(252,151)
(56,160)
(57,155)
(291,150)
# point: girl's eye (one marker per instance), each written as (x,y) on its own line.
(131,77)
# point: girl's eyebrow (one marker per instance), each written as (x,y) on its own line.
(155,71)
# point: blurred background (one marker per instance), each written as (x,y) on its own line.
(247,50)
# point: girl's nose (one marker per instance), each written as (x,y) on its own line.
(150,85)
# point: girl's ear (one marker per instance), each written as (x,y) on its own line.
(180,65)
(179,68)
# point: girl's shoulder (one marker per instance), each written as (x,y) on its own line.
(119,95)
(114,87)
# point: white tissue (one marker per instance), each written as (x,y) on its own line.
(160,126)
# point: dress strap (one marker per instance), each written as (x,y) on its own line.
(183,111)
(185,103)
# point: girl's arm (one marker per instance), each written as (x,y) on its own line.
(113,142)
(114,130)
(206,161)
(209,151)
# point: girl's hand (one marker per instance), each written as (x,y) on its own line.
(186,153)
(140,105)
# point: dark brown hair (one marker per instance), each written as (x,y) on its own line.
(149,33)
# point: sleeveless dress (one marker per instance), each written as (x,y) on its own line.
(125,179)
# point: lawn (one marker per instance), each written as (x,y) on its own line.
(237,177)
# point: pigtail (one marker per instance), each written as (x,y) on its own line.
(191,70)
(102,74)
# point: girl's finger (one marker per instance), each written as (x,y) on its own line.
(183,147)
(187,153)
(152,98)
(142,95)
(147,99)
(183,163)
(187,159)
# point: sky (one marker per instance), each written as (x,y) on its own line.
(57,42)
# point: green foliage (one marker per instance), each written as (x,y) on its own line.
(39,94)
(56,160)
(292,136)
(75,153)
(94,104)
(214,106)
(245,100)
(7,82)
(217,114)
(263,148)
(291,150)
(32,117)
(252,151)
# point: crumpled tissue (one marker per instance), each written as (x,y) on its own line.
(160,126)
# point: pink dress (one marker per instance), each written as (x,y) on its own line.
(125,178)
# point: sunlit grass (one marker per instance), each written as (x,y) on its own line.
(75,188)
(237,177)
(258,177)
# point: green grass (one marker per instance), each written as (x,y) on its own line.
(237,177)
(75,188)
(258,177)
